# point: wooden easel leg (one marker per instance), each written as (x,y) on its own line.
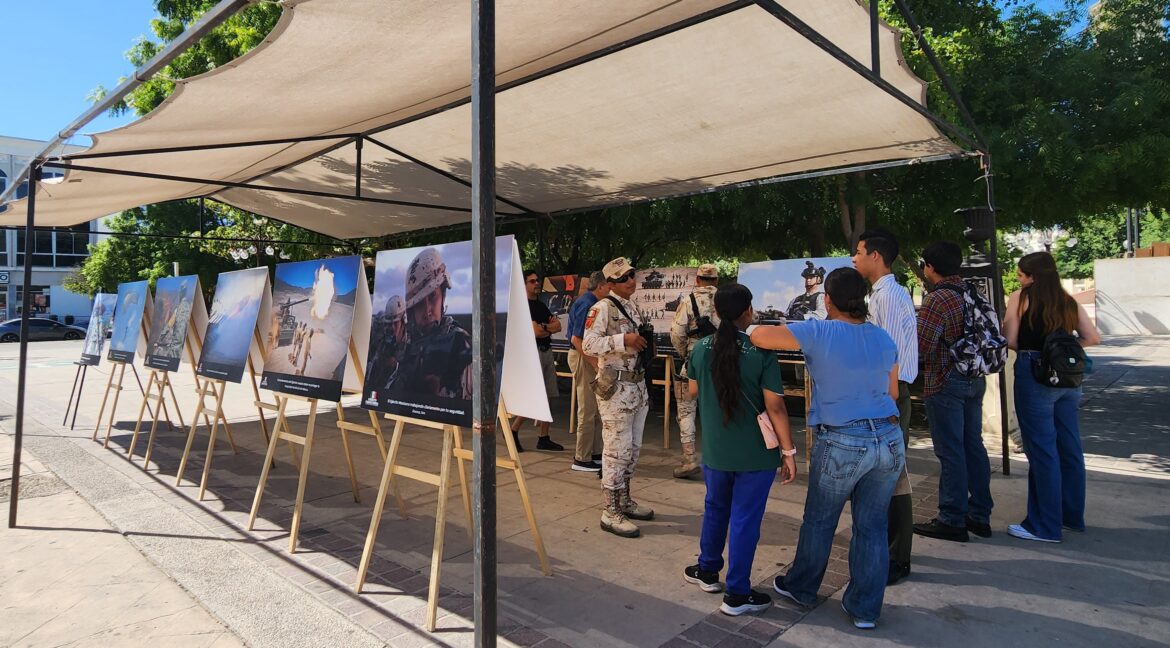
(304,478)
(440,528)
(353,484)
(272,439)
(199,409)
(219,389)
(141,411)
(211,442)
(114,406)
(379,506)
(166,382)
(175,400)
(460,465)
(522,485)
(162,405)
(102,410)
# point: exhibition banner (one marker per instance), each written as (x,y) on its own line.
(558,293)
(231,326)
(420,351)
(660,291)
(174,300)
(126,333)
(789,290)
(101,322)
(308,332)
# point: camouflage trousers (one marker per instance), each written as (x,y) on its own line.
(623,419)
(687,407)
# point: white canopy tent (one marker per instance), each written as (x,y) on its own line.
(597,104)
(360,118)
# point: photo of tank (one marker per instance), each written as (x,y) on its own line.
(174,297)
(659,293)
(312,320)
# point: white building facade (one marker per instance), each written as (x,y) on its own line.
(56,253)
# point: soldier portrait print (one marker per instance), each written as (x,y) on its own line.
(419,360)
(789,289)
(174,297)
(312,316)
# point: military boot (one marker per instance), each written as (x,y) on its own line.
(690,463)
(613,519)
(632,509)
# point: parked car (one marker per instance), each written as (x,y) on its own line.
(40,328)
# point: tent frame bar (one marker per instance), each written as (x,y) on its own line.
(227,184)
(347,137)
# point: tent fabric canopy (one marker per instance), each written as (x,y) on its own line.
(599,104)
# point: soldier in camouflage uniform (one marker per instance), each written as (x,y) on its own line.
(614,339)
(685,331)
(811,304)
(386,352)
(437,362)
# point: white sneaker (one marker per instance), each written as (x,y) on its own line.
(1018,531)
(858,623)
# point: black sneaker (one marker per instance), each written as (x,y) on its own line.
(898,571)
(597,458)
(708,581)
(782,590)
(981,529)
(545,443)
(936,529)
(586,466)
(737,604)
(516,439)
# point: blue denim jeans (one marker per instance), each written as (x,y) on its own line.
(736,500)
(1051,432)
(955,415)
(860,462)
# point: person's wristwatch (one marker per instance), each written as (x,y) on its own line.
(788,453)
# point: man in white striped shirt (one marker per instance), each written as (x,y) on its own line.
(891,308)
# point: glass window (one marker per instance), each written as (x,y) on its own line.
(72,246)
(40,299)
(42,248)
(3,181)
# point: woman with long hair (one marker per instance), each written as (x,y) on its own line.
(858,454)
(1048,418)
(734,382)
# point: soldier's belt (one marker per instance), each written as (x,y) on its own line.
(625,375)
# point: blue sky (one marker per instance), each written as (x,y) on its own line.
(55,53)
(80,44)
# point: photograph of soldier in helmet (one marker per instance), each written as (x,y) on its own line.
(419,363)
(811,304)
(173,299)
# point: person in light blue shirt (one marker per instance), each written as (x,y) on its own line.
(858,453)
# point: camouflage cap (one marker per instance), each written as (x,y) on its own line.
(708,271)
(616,268)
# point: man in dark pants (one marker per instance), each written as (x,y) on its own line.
(891,308)
(954,405)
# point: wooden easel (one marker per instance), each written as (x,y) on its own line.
(217,388)
(120,369)
(667,383)
(161,379)
(452,448)
(374,429)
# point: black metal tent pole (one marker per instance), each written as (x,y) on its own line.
(483,318)
(34,176)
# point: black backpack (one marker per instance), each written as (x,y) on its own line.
(703,325)
(1062,361)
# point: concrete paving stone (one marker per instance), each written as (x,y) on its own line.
(705,634)
(525,636)
(739,641)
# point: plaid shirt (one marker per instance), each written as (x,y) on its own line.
(940,323)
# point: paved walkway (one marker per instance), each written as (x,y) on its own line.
(69,579)
(1111,583)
